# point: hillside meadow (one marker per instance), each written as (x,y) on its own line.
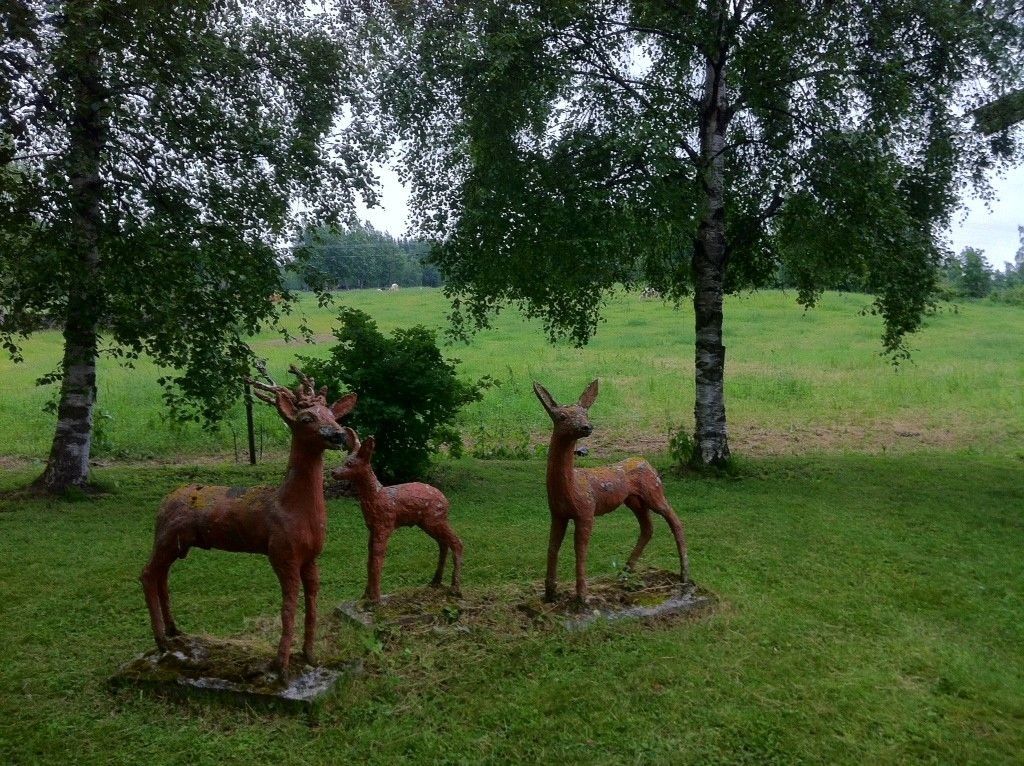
(796,381)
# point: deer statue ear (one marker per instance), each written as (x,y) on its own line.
(545,398)
(367,448)
(344,405)
(351,439)
(285,406)
(589,395)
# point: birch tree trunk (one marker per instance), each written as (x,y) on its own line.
(709,255)
(68,463)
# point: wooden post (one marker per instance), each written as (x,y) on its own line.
(249,425)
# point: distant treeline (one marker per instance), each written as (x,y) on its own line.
(968,275)
(961,275)
(359,258)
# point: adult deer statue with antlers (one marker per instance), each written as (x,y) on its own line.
(401,505)
(286,523)
(580,494)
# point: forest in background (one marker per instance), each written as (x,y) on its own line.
(358,258)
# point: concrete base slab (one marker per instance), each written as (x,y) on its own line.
(232,671)
(409,608)
(650,594)
(353,613)
(687,600)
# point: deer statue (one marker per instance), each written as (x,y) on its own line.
(287,524)
(580,494)
(402,505)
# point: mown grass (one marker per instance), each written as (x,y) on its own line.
(795,380)
(873,612)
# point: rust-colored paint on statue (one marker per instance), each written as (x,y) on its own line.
(287,523)
(580,494)
(402,505)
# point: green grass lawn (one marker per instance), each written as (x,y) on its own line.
(871,613)
(867,555)
(795,380)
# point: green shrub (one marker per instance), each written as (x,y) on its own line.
(1014,295)
(409,394)
(681,448)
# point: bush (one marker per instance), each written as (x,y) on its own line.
(681,448)
(409,394)
(1013,295)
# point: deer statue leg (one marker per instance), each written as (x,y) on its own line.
(643,517)
(378,548)
(165,605)
(442,557)
(581,540)
(456,545)
(153,576)
(310,587)
(558,526)
(664,510)
(288,574)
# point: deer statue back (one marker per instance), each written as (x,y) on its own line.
(580,494)
(285,523)
(402,505)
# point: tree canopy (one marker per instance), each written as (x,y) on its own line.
(155,156)
(557,150)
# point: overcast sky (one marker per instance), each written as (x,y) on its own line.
(991,228)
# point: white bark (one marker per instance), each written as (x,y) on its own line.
(709,257)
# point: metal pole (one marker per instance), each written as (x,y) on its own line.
(249,425)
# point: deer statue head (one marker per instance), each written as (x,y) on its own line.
(358,460)
(571,421)
(313,423)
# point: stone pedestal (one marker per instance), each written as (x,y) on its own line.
(232,671)
(408,608)
(648,594)
(685,601)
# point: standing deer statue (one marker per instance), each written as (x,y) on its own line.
(402,505)
(580,494)
(287,524)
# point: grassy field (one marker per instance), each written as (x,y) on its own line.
(871,613)
(866,553)
(796,381)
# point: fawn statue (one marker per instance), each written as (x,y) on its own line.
(402,505)
(286,523)
(580,494)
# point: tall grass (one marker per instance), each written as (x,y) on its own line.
(794,379)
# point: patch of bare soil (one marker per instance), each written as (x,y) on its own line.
(759,441)
(752,440)
(875,437)
(36,491)
(323,337)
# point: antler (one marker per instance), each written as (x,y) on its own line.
(305,395)
(307,392)
(261,368)
(270,397)
(303,377)
(267,397)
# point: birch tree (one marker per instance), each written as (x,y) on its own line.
(159,153)
(559,150)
